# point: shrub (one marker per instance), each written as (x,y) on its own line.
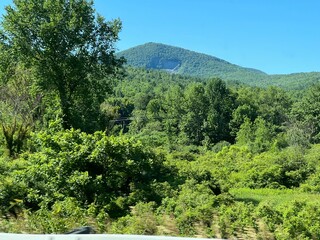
(92,168)
(141,220)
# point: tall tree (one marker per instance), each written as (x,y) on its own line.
(221,105)
(257,135)
(195,107)
(71,48)
(307,113)
(274,105)
(173,114)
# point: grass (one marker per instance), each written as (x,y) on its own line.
(274,196)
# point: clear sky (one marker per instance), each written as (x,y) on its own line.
(275,36)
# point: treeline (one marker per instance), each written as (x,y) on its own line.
(207,112)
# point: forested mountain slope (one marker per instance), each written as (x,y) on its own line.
(181,61)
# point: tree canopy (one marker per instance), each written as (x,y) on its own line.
(72,49)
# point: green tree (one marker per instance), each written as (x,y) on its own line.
(274,105)
(258,136)
(117,112)
(307,112)
(264,134)
(239,115)
(298,134)
(154,110)
(173,105)
(221,105)
(245,135)
(196,107)
(71,49)
(20,108)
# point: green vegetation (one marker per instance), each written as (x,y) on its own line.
(70,51)
(85,141)
(185,62)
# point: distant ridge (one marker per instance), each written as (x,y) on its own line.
(185,62)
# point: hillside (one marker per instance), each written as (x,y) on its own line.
(185,62)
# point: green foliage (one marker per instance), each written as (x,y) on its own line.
(243,113)
(60,219)
(220,145)
(111,172)
(221,105)
(312,184)
(193,204)
(116,112)
(258,136)
(295,81)
(298,134)
(142,221)
(272,104)
(11,192)
(177,60)
(182,61)
(195,108)
(195,181)
(236,218)
(20,108)
(71,50)
(307,112)
(278,169)
(295,220)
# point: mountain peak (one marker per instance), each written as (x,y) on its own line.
(189,63)
(182,61)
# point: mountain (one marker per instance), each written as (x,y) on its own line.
(185,62)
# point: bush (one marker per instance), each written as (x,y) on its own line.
(293,220)
(287,168)
(194,203)
(11,192)
(142,220)
(92,168)
(236,219)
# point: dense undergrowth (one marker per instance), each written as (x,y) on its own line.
(68,179)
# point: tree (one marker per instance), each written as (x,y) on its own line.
(239,116)
(307,113)
(274,105)
(173,113)
(258,136)
(195,107)
(221,105)
(245,135)
(264,134)
(71,49)
(20,107)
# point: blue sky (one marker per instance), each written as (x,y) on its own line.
(275,36)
